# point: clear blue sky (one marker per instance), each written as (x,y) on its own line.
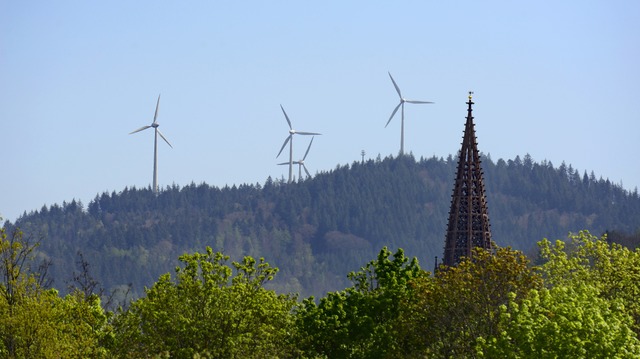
(556,79)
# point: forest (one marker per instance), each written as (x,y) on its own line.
(328,267)
(576,299)
(317,230)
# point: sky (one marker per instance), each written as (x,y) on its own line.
(558,80)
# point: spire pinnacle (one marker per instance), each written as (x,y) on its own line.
(468,225)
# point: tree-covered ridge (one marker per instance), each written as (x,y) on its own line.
(320,228)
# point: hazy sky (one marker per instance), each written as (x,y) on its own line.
(556,79)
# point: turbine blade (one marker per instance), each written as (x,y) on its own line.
(165,140)
(157,106)
(140,129)
(287,117)
(308,148)
(413,101)
(283,145)
(395,85)
(308,133)
(393,113)
(305,169)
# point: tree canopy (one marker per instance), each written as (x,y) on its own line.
(210,309)
(332,223)
(577,301)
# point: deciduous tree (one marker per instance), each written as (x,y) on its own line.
(210,309)
(562,322)
(360,321)
(611,268)
(37,323)
(460,304)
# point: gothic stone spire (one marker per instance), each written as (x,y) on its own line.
(468,225)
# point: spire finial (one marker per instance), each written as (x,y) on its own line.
(468,225)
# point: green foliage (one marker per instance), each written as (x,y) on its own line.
(589,308)
(36,322)
(462,303)
(210,309)
(562,322)
(331,223)
(611,268)
(360,321)
(579,302)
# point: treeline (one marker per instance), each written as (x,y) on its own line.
(579,301)
(320,228)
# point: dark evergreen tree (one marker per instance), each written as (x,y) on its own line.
(318,229)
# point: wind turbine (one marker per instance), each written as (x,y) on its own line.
(290,140)
(402,101)
(155,125)
(300,163)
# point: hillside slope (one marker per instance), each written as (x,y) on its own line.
(319,229)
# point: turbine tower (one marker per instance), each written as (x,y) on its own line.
(290,140)
(401,104)
(155,125)
(300,163)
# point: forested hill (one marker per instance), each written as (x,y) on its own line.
(319,229)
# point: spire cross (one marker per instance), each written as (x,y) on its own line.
(468,225)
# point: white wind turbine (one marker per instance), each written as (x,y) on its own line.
(155,125)
(401,104)
(300,163)
(290,140)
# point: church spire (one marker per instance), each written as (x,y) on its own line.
(468,225)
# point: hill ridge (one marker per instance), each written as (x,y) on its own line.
(318,229)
